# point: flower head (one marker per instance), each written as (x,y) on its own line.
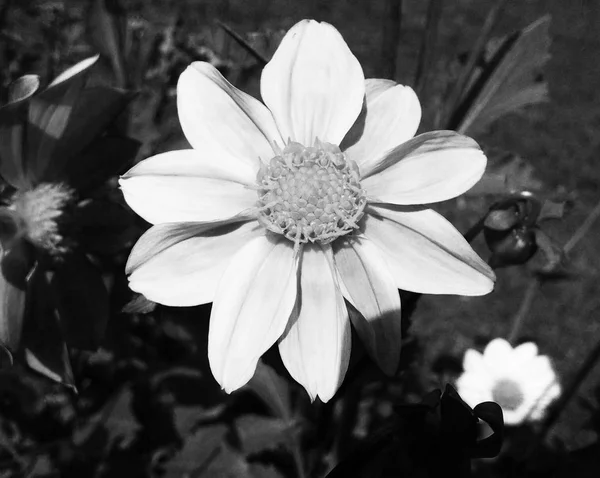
(54,152)
(522,382)
(284,212)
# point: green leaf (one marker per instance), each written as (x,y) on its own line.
(258,434)
(510,81)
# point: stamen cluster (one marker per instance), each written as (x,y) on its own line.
(310,194)
(41,211)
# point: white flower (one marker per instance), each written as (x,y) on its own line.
(282,213)
(522,382)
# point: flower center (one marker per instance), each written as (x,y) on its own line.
(40,214)
(508,394)
(310,193)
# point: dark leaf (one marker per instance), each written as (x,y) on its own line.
(258,434)
(105,227)
(510,81)
(264,471)
(95,110)
(83,302)
(199,452)
(17,263)
(13,117)
(106,36)
(272,389)
(491,413)
(115,418)
(49,115)
(43,343)
(139,305)
(105,157)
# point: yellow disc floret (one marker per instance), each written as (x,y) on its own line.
(310,194)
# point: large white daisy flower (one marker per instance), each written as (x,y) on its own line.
(283,211)
(522,382)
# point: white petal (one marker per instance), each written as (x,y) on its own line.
(473,362)
(473,388)
(180,264)
(498,357)
(525,352)
(371,290)
(426,253)
(181,186)
(515,417)
(221,120)
(316,345)
(255,297)
(314,85)
(376,86)
(429,168)
(390,118)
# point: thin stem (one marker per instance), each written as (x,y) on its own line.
(583,229)
(521,314)
(390,38)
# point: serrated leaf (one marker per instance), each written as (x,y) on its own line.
(510,81)
(258,434)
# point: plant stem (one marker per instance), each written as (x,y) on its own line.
(519,318)
(583,229)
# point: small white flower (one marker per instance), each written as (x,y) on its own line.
(522,382)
